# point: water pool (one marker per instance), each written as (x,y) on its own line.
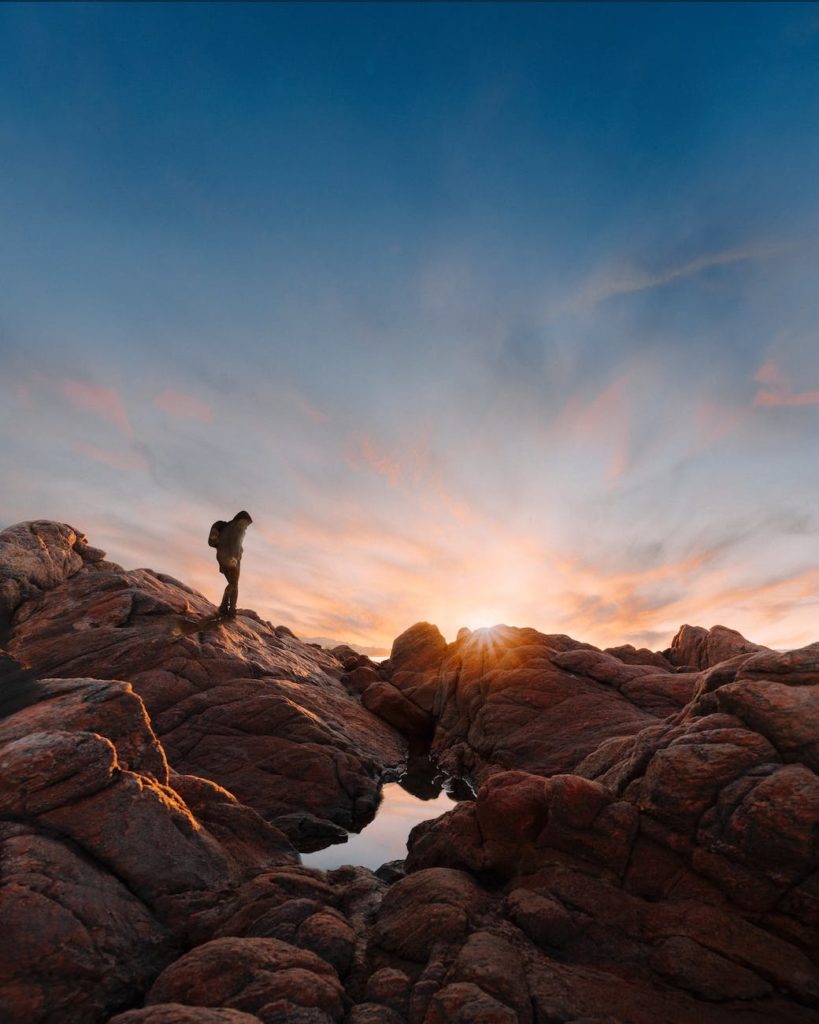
(421,794)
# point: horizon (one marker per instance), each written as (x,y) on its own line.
(495,313)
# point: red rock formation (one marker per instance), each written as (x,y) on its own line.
(642,848)
(104,867)
(237,702)
(517,698)
(703,648)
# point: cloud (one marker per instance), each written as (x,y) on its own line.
(777,389)
(184,406)
(625,280)
(103,402)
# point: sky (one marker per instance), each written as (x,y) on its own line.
(485,312)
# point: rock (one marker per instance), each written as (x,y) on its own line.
(466,1003)
(428,907)
(493,963)
(252,844)
(642,846)
(19,687)
(373,1013)
(111,709)
(345,653)
(703,648)
(391,871)
(564,813)
(329,936)
(307,832)
(230,701)
(360,678)
(110,864)
(261,976)
(631,655)
(77,943)
(796,668)
(34,558)
(691,966)
(389,704)
(389,987)
(546,921)
(697,823)
(516,698)
(415,661)
(176,1013)
(784,714)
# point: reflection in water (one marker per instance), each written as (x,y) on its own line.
(424,792)
(424,779)
(386,838)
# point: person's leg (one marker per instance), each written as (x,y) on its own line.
(232,588)
(225,605)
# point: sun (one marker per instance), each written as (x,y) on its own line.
(485,618)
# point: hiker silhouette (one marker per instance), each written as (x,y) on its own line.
(227,539)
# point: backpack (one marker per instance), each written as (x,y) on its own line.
(215,531)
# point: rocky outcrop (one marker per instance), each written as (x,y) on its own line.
(683,858)
(237,702)
(104,867)
(36,557)
(516,698)
(642,847)
(704,648)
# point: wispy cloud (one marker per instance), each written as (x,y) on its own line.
(626,279)
(106,403)
(184,406)
(777,388)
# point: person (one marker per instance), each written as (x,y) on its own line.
(227,539)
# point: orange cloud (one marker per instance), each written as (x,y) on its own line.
(777,389)
(342,572)
(104,402)
(183,406)
(640,606)
(778,398)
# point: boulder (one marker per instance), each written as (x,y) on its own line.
(703,648)
(267,977)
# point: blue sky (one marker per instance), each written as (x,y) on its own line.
(485,312)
